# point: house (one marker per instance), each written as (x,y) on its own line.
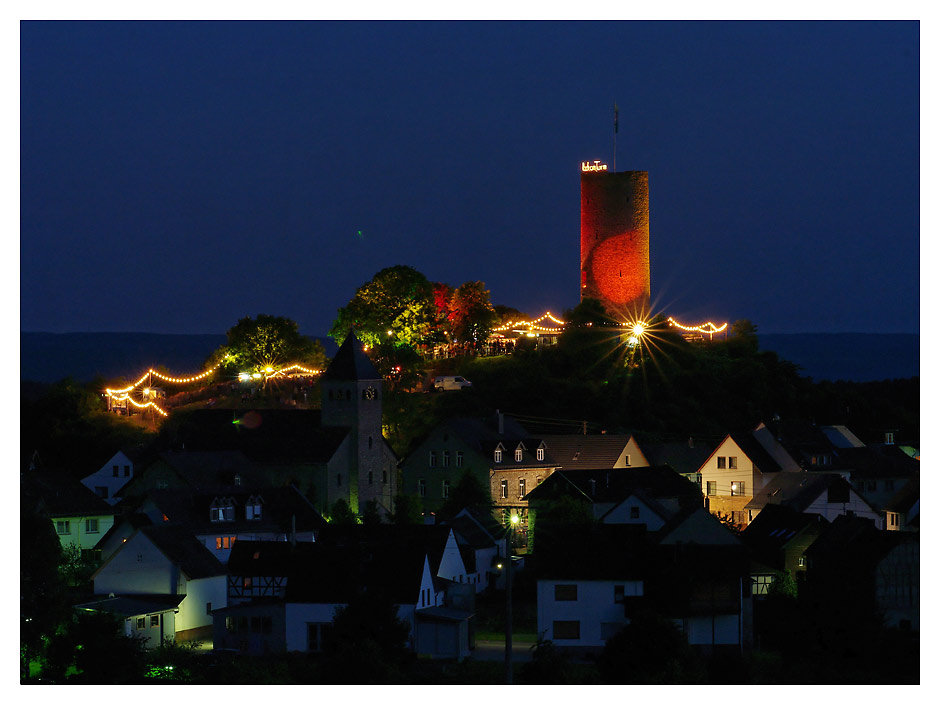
(334,453)
(591,583)
(902,511)
(284,597)
(482,542)
(167,560)
(827,494)
(870,572)
(151,618)
(219,517)
(685,458)
(878,471)
(778,538)
(80,516)
(740,466)
(113,475)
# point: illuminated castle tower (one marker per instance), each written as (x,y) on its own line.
(615,239)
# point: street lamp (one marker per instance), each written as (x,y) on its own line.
(513,522)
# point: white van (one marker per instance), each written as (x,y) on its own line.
(449,382)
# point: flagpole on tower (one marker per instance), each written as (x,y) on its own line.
(616,120)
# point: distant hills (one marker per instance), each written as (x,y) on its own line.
(49,357)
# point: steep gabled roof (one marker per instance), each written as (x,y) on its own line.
(616,484)
(351,363)
(182,549)
(905,498)
(799,490)
(681,457)
(774,527)
(876,461)
(62,495)
(755,452)
(574,451)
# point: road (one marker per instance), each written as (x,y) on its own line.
(492,650)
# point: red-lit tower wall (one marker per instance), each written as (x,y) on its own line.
(615,241)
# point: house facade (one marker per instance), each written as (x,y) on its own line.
(111,477)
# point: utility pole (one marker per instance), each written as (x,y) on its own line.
(513,520)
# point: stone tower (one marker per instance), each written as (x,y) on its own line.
(615,241)
(351,391)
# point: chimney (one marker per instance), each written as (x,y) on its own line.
(499,422)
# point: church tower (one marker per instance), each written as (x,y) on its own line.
(615,240)
(351,390)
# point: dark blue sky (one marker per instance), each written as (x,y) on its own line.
(176,177)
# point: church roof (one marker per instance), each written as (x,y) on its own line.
(351,363)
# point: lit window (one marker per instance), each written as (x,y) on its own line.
(141,622)
(737,489)
(733,462)
(721,462)
(503,489)
(518,455)
(801,562)
(445,489)
(498,455)
(540,454)
(522,487)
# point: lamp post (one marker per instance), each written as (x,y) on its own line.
(513,521)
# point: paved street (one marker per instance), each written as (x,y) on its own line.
(491,650)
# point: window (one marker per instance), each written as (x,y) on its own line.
(63,527)
(370,477)
(141,622)
(154,620)
(737,489)
(222,509)
(445,489)
(721,462)
(540,454)
(318,633)
(566,593)
(208,608)
(566,630)
(91,526)
(522,487)
(503,489)
(162,484)
(459,458)
(627,461)
(422,490)
(385,477)
(733,462)
(253,509)
(518,455)
(445,459)
(432,459)
(114,470)
(711,487)
(801,561)
(498,455)
(102,492)
(127,471)
(634,512)
(246,583)
(223,543)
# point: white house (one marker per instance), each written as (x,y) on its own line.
(167,560)
(827,494)
(111,477)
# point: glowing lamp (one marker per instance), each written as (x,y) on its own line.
(638,329)
(514,519)
(389,332)
(269,370)
(257,375)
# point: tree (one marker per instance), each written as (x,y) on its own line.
(469,493)
(267,342)
(649,650)
(342,514)
(407,510)
(471,315)
(95,644)
(397,305)
(370,513)
(743,336)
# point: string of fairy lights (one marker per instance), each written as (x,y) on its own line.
(707,328)
(533,325)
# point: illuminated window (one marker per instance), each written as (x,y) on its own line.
(503,489)
(522,487)
(445,489)
(91,526)
(721,462)
(422,489)
(801,561)
(733,462)
(498,455)
(246,583)
(518,455)
(737,489)
(141,622)
(459,459)
(223,543)
(432,459)
(540,454)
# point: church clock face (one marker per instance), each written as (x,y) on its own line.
(369,393)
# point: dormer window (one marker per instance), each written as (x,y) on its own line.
(518,455)
(540,454)
(238,479)
(222,509)
(253,509)
(498,455)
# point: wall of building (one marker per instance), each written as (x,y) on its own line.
(138,567)
(599,616)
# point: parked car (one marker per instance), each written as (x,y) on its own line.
(449,383)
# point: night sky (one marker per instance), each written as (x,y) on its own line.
(176,177)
